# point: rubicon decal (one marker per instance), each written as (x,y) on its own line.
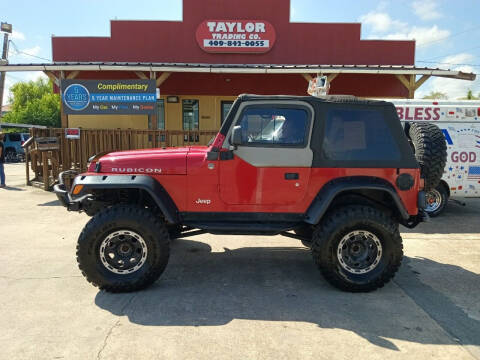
(235,36)
(137,170)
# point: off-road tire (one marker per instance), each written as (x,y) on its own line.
(430,150)
(342,221)
(442,192)
(109,220)
(307,233)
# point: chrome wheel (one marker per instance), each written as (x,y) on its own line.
(359,252)
(434,200)
(123,252)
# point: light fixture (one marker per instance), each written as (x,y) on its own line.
(172,99)
(6,27)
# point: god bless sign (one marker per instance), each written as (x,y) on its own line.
(235,36)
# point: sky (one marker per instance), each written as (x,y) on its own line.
(447,32)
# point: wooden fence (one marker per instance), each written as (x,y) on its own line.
(73,154)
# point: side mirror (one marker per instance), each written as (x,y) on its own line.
(236,138)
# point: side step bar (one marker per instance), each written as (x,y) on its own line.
(243,228)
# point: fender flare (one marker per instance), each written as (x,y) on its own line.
(143,182)
(332,189)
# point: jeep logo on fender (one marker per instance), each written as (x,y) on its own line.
(203,201)
(137,170)
(235,36)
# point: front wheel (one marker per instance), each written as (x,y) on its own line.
(123,248)
(357,248)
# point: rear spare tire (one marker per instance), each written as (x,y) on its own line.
(430,151)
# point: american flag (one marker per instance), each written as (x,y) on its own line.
(473,172)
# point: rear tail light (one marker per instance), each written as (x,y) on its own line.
(478,111)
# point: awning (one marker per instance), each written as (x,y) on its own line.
(240,68)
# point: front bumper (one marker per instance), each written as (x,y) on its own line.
(63,194)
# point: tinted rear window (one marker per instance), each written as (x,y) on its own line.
(358,134)
(14,137)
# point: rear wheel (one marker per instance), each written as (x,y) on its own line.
(357,248)
(436,200)
(123,248)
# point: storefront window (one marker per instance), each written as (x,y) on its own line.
(160,114)
(226,106)
(190,114)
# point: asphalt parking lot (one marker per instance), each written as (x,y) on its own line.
(232,297)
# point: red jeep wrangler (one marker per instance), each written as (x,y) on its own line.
(337,173)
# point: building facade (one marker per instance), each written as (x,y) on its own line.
(218,32)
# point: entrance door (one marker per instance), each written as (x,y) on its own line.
(225,108)
(272,165)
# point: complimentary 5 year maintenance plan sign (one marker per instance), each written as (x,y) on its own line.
(108,96)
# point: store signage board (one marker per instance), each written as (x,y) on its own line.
(72,133)
(236,36)
(101,97)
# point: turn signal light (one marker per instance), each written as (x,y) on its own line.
(77,189)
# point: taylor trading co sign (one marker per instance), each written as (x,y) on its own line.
(235,36)
(102,97)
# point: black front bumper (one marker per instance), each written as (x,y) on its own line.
(63,194)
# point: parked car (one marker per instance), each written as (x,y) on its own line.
(337,173)
(13,146)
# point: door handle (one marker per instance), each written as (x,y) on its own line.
(291,176)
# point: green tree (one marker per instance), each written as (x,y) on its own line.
(437,95)
(469,96)
(34,102)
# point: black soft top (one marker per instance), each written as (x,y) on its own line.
(403,158)
(347,99)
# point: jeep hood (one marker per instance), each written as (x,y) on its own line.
(168,161)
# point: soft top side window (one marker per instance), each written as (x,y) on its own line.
(274,126)
(358,134)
